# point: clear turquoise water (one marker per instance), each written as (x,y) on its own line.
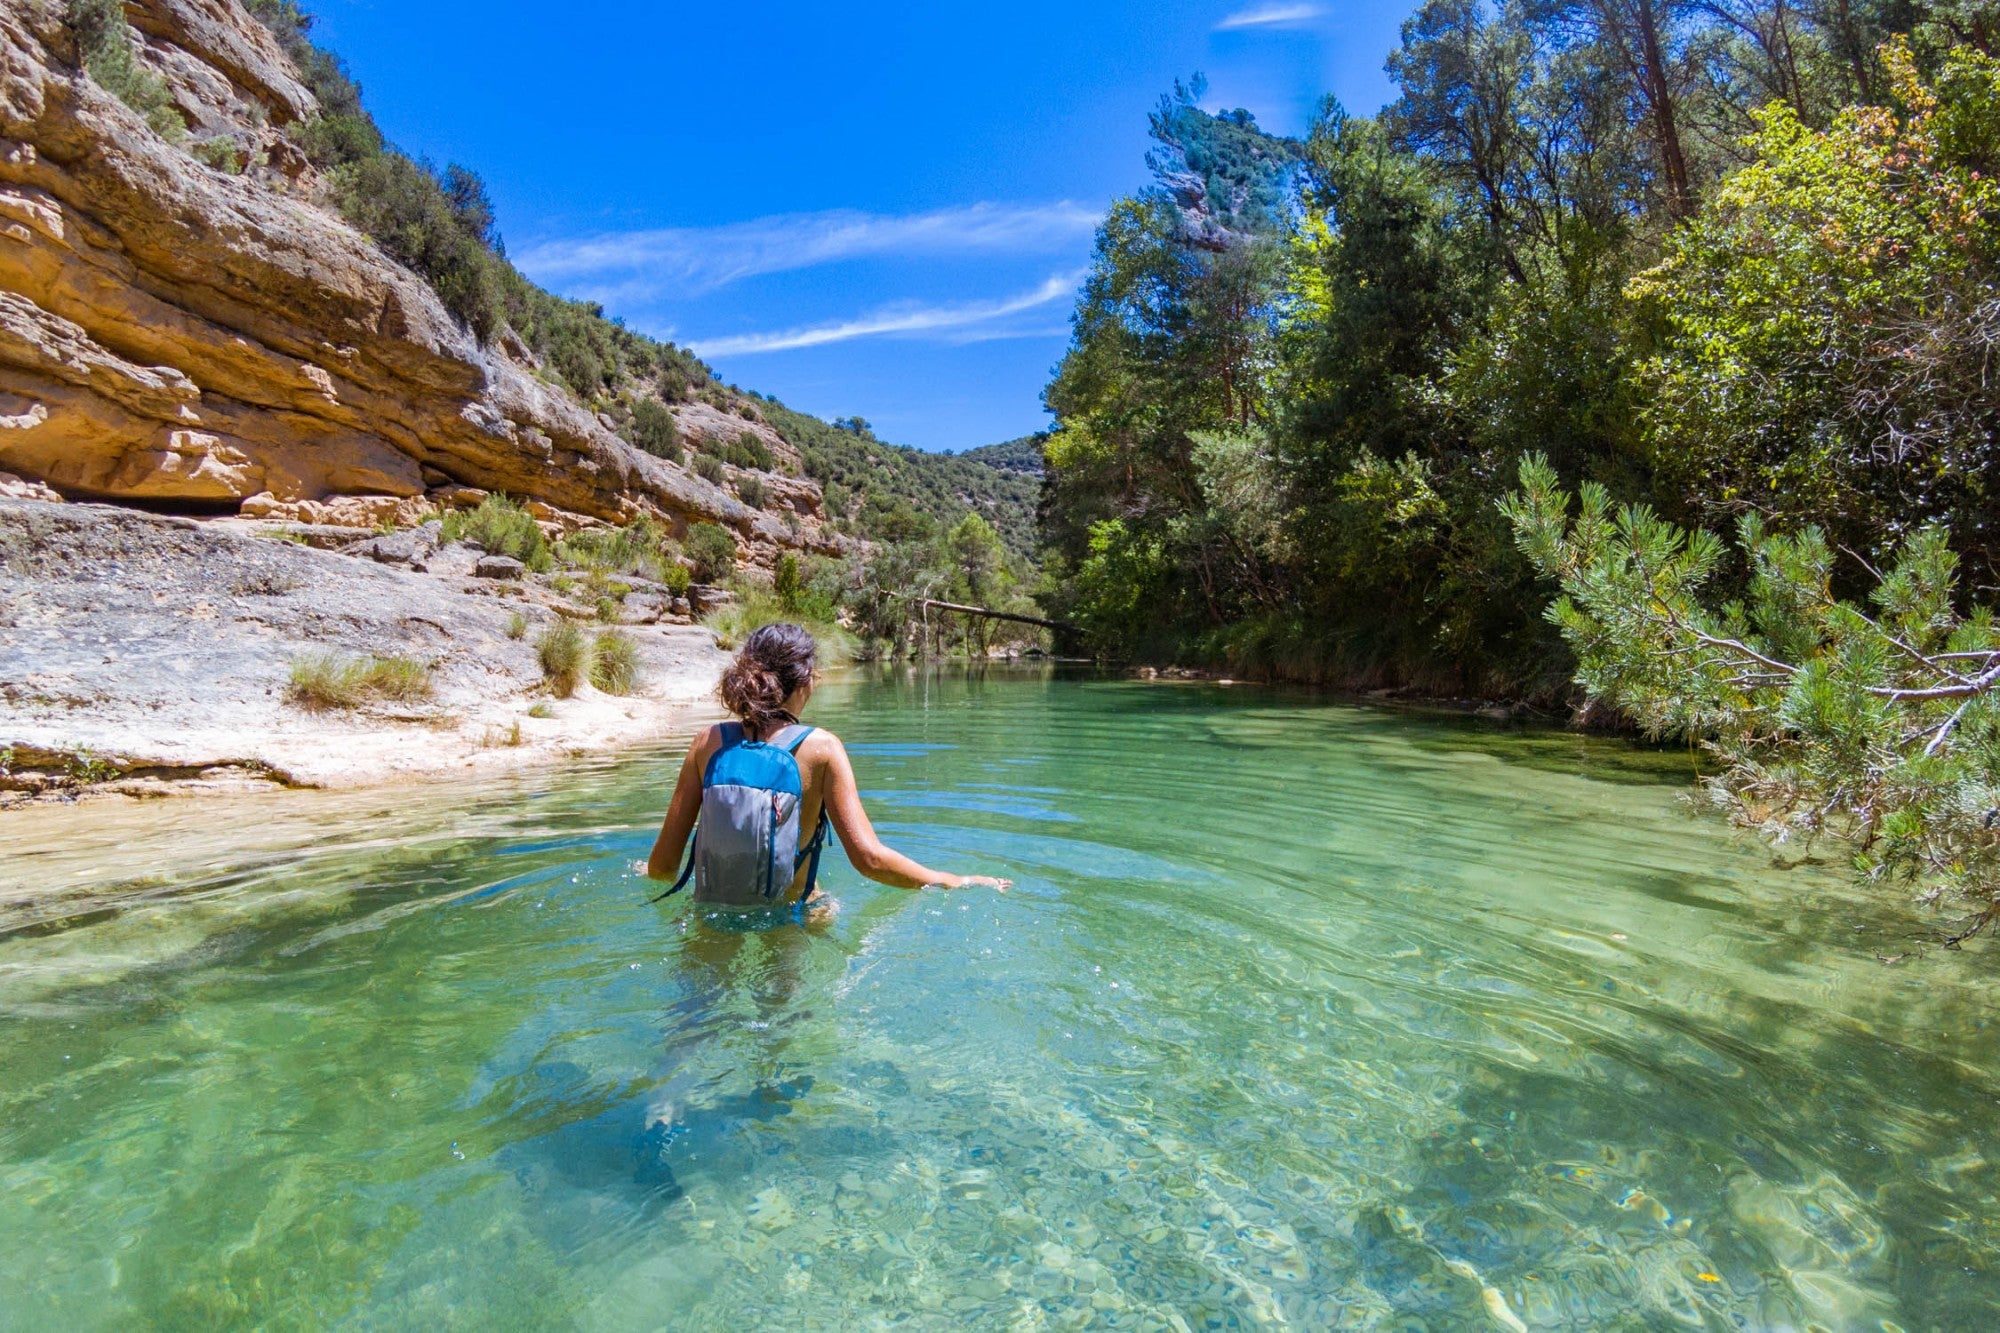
(1300,1014)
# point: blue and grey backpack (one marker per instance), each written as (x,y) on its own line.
(746,850)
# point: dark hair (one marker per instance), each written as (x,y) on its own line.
(775,661)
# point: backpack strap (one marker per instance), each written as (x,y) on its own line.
(810,852)
(790,737)
(687,871)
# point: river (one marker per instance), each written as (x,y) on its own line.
(1299,1014)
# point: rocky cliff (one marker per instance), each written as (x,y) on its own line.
(214,338)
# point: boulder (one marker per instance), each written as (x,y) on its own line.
(499,567)
(706,597)
(646,608)
(410,548)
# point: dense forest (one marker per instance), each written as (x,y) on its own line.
(1725,259)
(1462,396)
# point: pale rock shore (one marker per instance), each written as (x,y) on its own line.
(148,655)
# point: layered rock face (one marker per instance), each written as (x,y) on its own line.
(171,332)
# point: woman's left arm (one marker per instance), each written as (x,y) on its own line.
(682,811)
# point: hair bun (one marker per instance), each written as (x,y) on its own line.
(774,662)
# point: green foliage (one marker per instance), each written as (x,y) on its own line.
(641,547)
(565,656)
(439,226)
(757,606)
(713,551)
(323,681)
(901,491)
(785,582)
(1641,244)
(837,500)
(106,48)
(614,662)
(220,153)
(747,450)
(1023,457)
(709,468)
(1827,323)
(503,528)
(517,626)
(653,430)
(1878,725)
(750,490)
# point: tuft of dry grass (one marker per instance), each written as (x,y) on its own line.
(565,655)
(325,681)
(614,662)
(517,626)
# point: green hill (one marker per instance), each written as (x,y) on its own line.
(890,492)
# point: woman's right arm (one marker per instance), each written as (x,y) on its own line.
(682,811)
(865,850)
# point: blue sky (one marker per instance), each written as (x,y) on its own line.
(876,209)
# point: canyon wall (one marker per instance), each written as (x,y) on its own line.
(218,338)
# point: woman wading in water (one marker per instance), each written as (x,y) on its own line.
(762,789)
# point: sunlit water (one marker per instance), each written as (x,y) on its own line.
(1299,1014)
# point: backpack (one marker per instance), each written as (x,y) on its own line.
(746,848)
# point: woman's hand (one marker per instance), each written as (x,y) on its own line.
(977,882)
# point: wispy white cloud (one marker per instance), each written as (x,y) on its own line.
(1269,16)
(975,321)
(686,261)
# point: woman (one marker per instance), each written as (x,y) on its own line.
(766,688)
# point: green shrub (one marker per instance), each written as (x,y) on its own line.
(713,551)
(835,498)
(745,451)
(750,490)
(785,584)
(565,656)
(441,226)
(640,547)
(756,606)
(653,429)
(105,47)
(709,468)
(676,578)
(607,610)
(541,710)
(502,527)
(614,662)
(517,626)
(321,681)
(221,153)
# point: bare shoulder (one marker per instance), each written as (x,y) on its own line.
(822,744)
(708,740)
